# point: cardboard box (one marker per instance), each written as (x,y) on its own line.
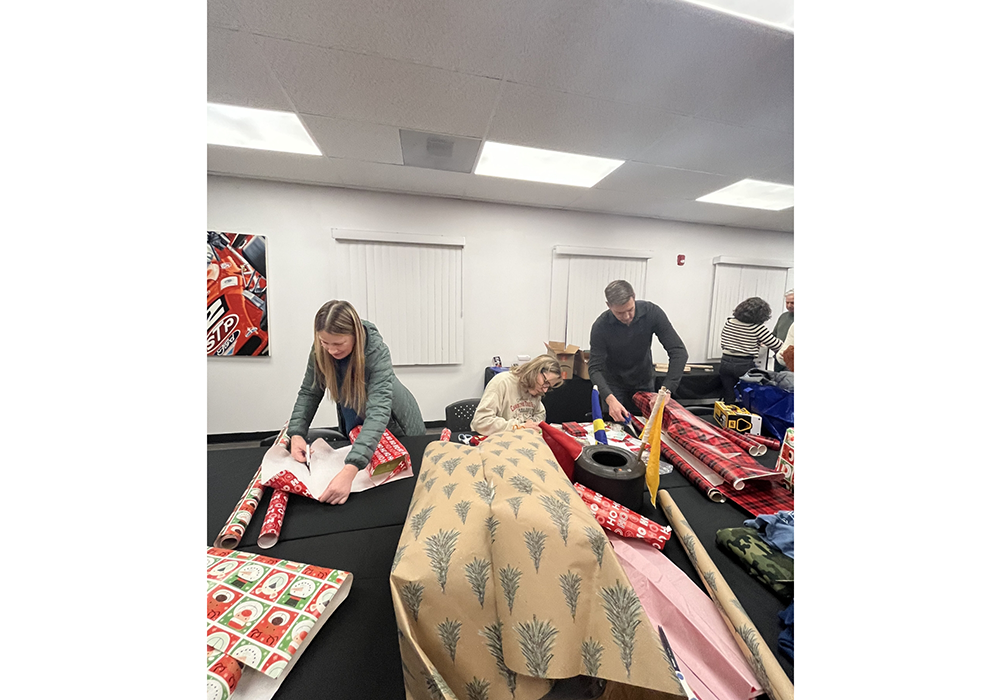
(786,460)
(735,418)
(566,354)
(581,364)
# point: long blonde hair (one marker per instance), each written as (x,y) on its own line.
(340,318)
(528,373)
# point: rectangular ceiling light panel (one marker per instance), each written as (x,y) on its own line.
(753,194)
(540,165)
(263,129)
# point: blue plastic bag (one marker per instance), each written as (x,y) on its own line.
(776,407)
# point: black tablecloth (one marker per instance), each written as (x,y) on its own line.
(356,654)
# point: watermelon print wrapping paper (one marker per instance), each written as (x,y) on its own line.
(503,581)
(262,614)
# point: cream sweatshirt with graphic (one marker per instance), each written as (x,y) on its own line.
(505,404)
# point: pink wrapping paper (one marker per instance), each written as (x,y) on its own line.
(712,663)
(614,517)
(273,519)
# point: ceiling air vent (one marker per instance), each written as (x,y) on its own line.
(438,152)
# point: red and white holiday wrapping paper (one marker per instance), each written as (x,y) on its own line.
(232,533)
(282,472)
(273,519)
(786,460)
(263,612)
(616,518)
(389,461)
(445,435)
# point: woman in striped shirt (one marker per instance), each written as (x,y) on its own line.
(742,337)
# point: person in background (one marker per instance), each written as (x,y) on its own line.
(787,352)
(783,323)
(621,362)
(514,399)
(742,336)
(350,362)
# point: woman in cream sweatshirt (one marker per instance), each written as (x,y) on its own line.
(514,399)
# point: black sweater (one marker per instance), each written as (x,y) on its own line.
(620,355)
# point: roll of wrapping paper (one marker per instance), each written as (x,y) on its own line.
(615,517)
(770,674)
(273,519)
(595,407)
(767,442)
(232,533)
(692,475)
(445,435)
(754,448)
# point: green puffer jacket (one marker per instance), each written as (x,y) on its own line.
(387,399)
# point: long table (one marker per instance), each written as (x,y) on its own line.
(356,654)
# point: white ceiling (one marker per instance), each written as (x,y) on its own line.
(691,99)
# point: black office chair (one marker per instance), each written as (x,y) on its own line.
(331,435)
(458,415)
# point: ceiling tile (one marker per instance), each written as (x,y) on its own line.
(758,90)
(663,183)
(333,83)
(667,54)
(238,74)
(529,116)
(713,147)
(223,13)
(342,138)
(271,165)
(469,37)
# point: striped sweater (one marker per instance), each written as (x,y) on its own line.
(744,339)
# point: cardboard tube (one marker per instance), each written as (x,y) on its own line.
(770,674)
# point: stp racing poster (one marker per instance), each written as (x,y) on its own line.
(237,294)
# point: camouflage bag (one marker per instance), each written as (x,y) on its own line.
(762,561)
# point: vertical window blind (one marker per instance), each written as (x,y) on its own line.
(410,287)
(579,276)
(736,280)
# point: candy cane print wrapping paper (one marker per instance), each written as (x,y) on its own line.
(263,612)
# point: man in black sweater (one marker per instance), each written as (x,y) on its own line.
(621,362)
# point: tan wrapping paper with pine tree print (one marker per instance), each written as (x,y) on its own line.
(503,581)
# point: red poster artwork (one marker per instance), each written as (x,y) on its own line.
(237,294)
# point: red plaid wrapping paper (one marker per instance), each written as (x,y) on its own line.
(760,497)
(691,474)
(389,455)
(746,443)
(769,443)
(616,518)
(706,442)
(273,519)
(574,429)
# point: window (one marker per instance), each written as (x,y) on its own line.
(579,276)
(737,279)
(410,286)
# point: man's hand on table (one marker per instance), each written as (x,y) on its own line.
(616,410)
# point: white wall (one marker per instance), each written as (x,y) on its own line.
(508,256)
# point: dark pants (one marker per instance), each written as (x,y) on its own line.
(730,370)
